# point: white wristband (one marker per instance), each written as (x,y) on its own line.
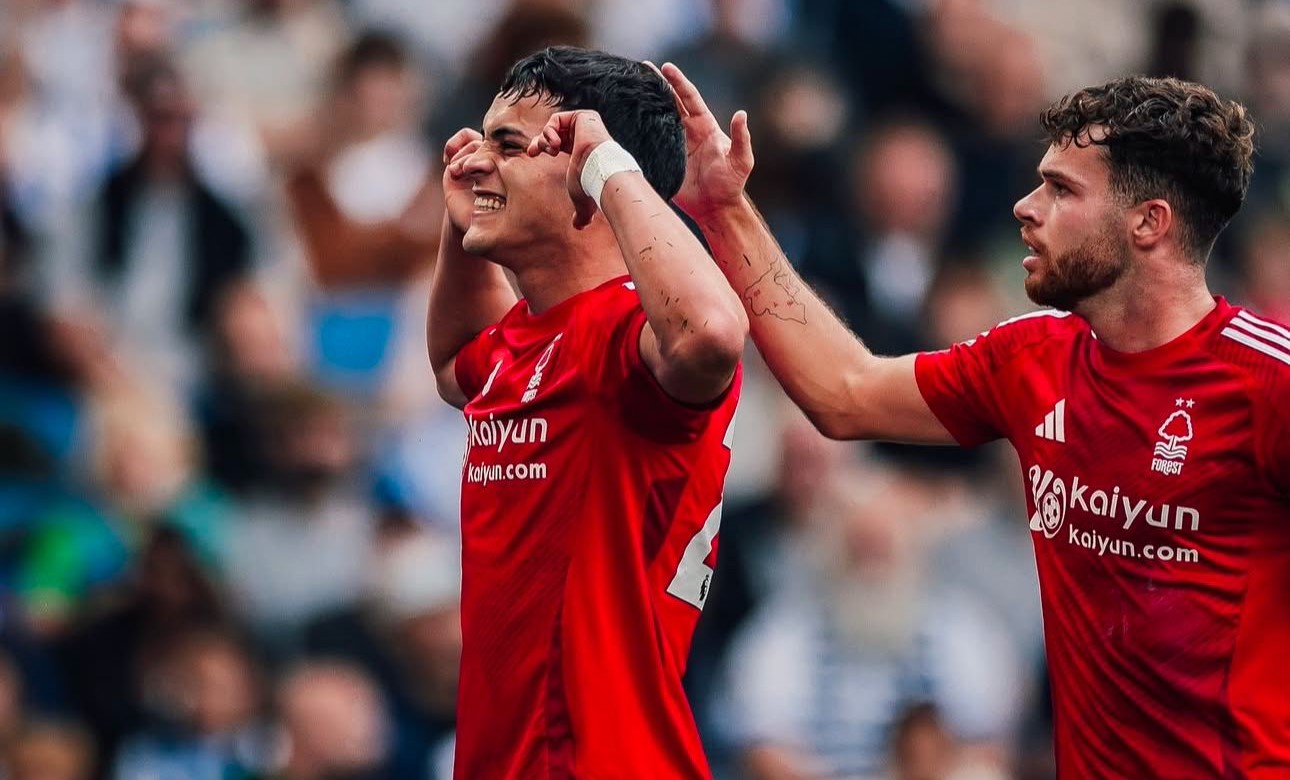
(604,161)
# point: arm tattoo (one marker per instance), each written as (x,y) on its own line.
(775,293)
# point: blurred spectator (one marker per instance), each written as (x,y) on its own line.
(728,62)
(407,635)
(251,355)
(1265,267)
(1269,99)
(303,535)
(202,695)
(49,751)
(264,62)
(333,723)
(800,118)
(820,674)
(106,656)
(526,27)
(143,460)
(367,211)
(962,302)
(758,548)
(11,704)
(921,747)
(140,274)
(905,186)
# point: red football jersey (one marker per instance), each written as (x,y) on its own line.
(1159,490)
(591,502)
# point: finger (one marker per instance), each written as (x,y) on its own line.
(691,101)
(741,140)
(460,139)
(675,99)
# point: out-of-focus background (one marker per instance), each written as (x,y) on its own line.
(228,491)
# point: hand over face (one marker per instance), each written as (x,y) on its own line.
(458,197)
(575,133)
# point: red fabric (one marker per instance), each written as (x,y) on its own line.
(578,506)
(1160,668)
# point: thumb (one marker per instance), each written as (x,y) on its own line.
(741,141)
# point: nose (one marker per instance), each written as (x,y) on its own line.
(1025,209)
(479,163)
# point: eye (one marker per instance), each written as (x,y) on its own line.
(1059,189)
(510,148)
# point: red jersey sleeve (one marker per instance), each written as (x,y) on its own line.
(631,387)
(967,385)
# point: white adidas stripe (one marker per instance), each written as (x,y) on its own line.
(1272,326)
(1031,315)
(1254,343)
(1257,330)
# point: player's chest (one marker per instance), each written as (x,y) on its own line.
(1161,458)
(535,400)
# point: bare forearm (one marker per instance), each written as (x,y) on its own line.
(810,350)
(468,294)
(692,310)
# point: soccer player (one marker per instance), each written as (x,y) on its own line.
(1152,421)
(600,409)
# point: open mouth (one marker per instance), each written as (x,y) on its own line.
(488,203)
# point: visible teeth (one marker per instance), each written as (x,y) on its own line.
(488,203)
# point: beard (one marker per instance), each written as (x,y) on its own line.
(1068,279)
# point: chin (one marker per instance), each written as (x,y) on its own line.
(475,244)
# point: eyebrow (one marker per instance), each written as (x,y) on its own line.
(505,132)
(1057,176)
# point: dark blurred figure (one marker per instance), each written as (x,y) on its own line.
(804,125)
(1269,100)
(525,28)
(727,65)
(133,285)
(877,46)
(104,659)
(202,697)
(1174,42)
(905,186)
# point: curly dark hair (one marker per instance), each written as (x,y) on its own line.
(1169,139)
(634,101)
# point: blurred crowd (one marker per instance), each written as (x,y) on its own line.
(228,491)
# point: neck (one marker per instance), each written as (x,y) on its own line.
(1151,305)
(588,261)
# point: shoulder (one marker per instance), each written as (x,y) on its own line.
(1258,348)
(1033,328)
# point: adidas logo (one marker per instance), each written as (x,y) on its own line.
(1053,427)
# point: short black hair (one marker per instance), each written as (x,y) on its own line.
(634,101)
(1165,138)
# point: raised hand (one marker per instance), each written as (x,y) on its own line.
(575,133)
(717,165)
(458,197)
